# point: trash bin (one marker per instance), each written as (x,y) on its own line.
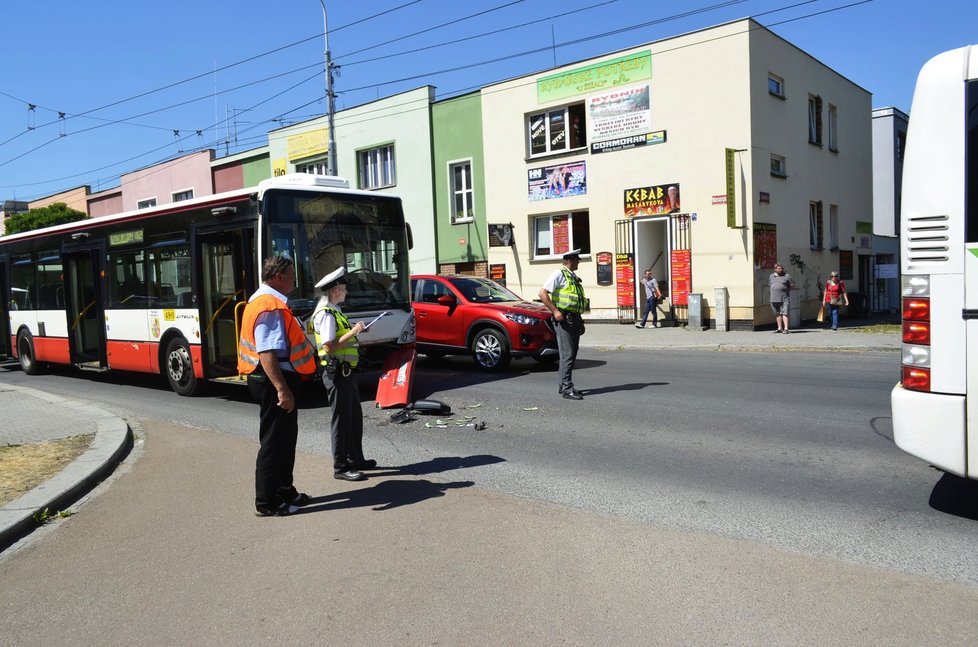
(721,309)
(694,305)
(794,308)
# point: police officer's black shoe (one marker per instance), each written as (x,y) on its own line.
(573,394)
(349,475)
(365,464)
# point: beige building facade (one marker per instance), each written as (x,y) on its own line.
(707,157)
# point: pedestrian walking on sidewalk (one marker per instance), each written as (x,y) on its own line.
(835,296)
(564,296)
(276,356)
(781,286)
(336,343)
(652,298)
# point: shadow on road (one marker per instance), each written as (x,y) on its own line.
(955,496)
(386,495)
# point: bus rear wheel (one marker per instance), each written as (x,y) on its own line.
(25,353)
(179,367)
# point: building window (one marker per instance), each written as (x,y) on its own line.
(833,128)
(556,130)
(460,178)
(815,120)
(180,196)
(556,234)
(377,167)
(833,227)
(815,233)
(317,167)
(778,166)
(775,85)
(146,204)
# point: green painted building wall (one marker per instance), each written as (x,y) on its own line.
(457,137)
(256,169)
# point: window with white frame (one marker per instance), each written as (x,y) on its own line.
(180,196)
(815,233)
(376,167)
(556,234)
(460,179)
(146,204)
(316,167)
(555,130)
(833,226)
(833,128)
(775,85)
(814,120)
(778,166)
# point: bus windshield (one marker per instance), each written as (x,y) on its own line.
(323,231)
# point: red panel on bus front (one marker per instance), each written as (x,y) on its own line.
(197,355)
(131,355)
(52,349)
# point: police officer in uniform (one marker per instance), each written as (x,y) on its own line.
(276,356)
(336,341)
(564,296)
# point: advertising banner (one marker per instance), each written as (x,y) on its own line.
(619,113)
(617,72)
(682,276)
(625,280)
(765,245)
(632,141)
(652,200)
(557,181)
(605,269)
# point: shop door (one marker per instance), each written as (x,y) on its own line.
(5,302)
(85,307)
(226,280)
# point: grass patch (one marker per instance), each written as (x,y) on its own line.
(23,467)
(880,328)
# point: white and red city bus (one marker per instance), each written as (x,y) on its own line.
(935,417)
(161,290)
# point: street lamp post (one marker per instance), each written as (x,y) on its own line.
(330,104)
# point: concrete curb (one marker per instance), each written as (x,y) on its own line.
(113,439)
(749,348)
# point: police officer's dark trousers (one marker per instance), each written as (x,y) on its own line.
(277,433)
(346,423)
(568,339)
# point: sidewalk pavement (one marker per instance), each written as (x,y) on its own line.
(33,416)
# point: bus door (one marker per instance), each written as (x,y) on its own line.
(226,278)
(84,273)
(5,305)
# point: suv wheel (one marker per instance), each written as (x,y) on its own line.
(490,349)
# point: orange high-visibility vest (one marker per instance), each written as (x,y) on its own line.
(301,353)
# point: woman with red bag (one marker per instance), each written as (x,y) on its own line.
(835,296)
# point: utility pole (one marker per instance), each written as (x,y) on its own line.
(330,104)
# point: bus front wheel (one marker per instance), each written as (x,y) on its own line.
(25,353)
(179,367)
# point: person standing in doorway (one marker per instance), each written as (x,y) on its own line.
(336,341)
(781,286)
(835,296)
(652,297)
(564,297)
(276,356)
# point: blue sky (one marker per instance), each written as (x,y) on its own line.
(79,58)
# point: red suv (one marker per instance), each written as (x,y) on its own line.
(459,315)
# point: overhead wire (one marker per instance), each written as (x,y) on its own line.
(535,50)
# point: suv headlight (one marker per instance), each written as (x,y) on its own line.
(520,319)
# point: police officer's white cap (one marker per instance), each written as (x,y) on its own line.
(332,279)
(574,253)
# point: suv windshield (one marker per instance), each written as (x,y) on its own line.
(483,290)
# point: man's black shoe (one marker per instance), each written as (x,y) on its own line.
(282,510)
(365,464)
(573,395)
(349,475)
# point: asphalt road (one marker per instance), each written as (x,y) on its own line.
(791,450)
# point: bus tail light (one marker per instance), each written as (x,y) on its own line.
(916,378)
(915,312)
(916,332)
